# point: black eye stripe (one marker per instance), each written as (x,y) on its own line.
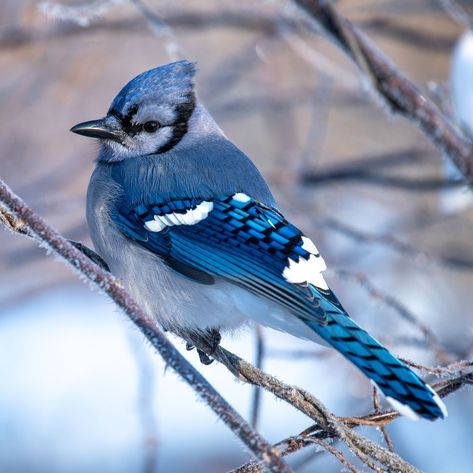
(183,112)
(179,127)
(126,121)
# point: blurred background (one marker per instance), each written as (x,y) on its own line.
(80,390)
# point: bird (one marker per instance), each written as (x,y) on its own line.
(190,227)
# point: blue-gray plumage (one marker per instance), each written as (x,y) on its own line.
(189,225)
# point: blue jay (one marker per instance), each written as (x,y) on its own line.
(187,222)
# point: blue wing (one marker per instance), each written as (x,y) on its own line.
(240,240)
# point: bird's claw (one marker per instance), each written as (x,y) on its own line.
(204,358)
(206,344)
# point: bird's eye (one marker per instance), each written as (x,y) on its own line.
(150,127)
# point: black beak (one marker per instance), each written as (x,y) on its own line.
(97,129)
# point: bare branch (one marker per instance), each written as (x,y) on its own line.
(399,308)
(160,29)
(367,451)
(381,419)
(452,368)
(376,408)
(457,12)
(336,453)
(257,392)
(113,288)
(405,183)
(452,261)
(398,93)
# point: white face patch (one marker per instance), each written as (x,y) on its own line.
(138,145)
(164,114)
(309,270)
(191,217)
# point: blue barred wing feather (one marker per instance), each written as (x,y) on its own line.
(254,246)
(238,239)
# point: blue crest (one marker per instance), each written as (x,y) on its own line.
(172,83)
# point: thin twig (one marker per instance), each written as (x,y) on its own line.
(376,408)
(404,183)
(369,170)
(160,29)
(452,368)
(393,242)
(457,12)
(368,452)
(257,391)
(399,308)
(336,453)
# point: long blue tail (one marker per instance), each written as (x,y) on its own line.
(404,390)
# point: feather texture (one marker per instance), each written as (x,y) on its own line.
(252,245)
(188,223)
(237,238)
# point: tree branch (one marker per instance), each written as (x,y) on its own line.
(377,419)
(23,220)
(367,451)
(26,222)
(397,92)
(463,262)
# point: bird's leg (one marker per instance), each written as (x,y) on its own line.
(206,344)
(214,340)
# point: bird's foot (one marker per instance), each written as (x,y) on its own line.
(206,344)
(204,358)
(214,340)
(91,254)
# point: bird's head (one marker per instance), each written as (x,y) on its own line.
(149,115)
